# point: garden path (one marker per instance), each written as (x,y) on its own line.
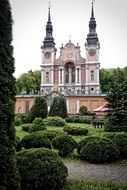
(109,172)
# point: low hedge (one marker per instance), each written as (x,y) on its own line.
(76,130)
(121,140)
(38,125)
(35,140)
(55,121)
(65,144)
(26,127)
(77,120)
(41,169)
(101,150)
(52,134)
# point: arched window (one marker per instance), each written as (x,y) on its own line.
(47,77)
(92,76)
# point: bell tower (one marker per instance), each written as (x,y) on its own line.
(48,58)
(92,46)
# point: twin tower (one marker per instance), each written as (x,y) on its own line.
(71,74)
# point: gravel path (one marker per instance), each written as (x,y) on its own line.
(110,172)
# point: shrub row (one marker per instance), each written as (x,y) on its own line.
(77,120)
(76,130)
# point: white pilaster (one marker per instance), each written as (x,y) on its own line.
(78,104)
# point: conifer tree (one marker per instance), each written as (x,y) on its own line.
(39,109)
(9,179)
(117,101)
(58,107)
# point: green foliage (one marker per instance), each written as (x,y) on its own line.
(41,169)
(39,109)
(78,120)
(17,120)
(58,107)
(65,144)
(76,130)
(38,125)
(117,102)
(99,150)
(121,140)
(29,82)
(35,140)
(26,127)
(54,121)
(109,76)
(23,117)
(52,134)
(9,178)
(83,110)
(83,142)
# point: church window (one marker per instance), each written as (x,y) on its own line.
(47,77)
(92,75)
(78,75)
(60,75)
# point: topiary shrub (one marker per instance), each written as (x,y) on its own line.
(84,142)
(26,127)
(83,110)
(17,121)
(65,144)
(76,130)
(52,134)
(101,150)
(69,119)
(38,125)
(55,121)
(35,140)
(121,140)
(17,141)
(41,169)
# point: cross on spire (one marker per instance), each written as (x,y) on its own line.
(49,4)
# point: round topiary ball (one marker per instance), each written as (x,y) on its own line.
(65,144)
(41,169)
(38,125)
(99,150)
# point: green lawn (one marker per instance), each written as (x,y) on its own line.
(93,185)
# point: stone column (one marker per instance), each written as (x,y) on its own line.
(78,104)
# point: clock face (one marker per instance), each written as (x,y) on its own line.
(47,55)
(92,52)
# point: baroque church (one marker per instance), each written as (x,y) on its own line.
(70,75)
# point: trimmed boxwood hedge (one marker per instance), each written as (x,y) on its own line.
(38,125)
(121,140)
(55,121)
(101,150)
(35,140)
(26,127)
(65,144)
(84,142)
(52,134)
(41,169)
(76,130)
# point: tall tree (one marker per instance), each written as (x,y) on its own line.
(58,107)
(8,172)
(117,101)
(39,109)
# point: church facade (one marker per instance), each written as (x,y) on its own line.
(70,75)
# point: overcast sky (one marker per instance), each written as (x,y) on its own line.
(69,17)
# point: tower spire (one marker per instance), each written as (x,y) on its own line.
(92,35)
(49,40)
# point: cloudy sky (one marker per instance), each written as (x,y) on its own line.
(69,17)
